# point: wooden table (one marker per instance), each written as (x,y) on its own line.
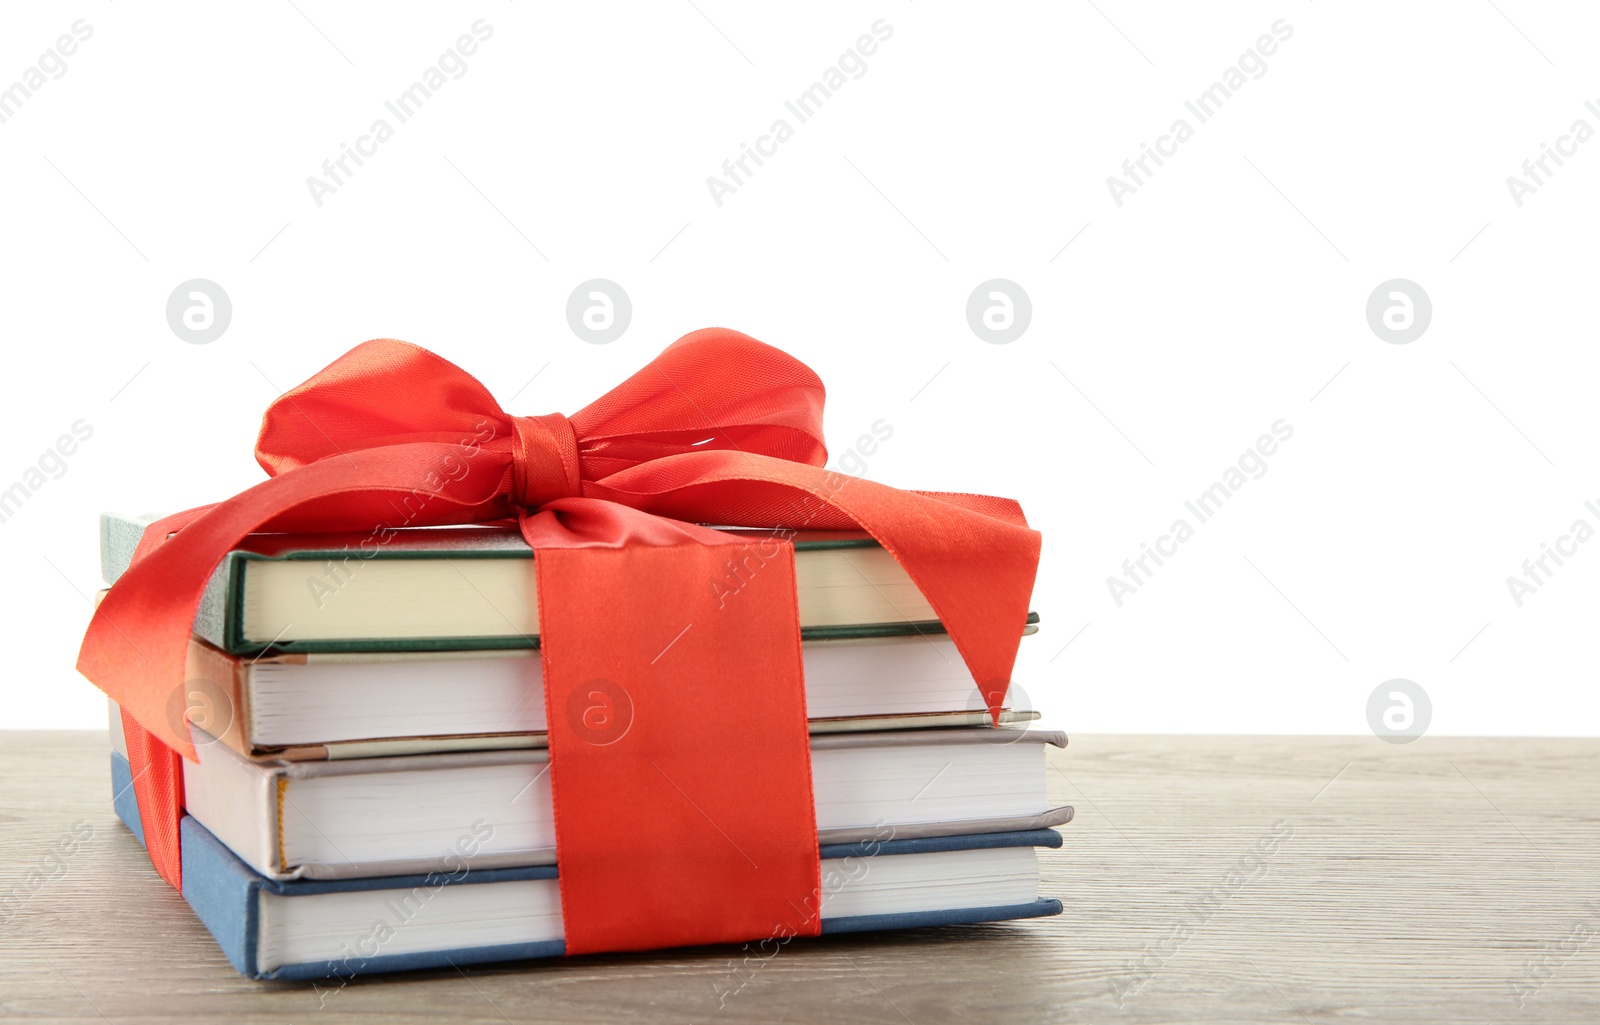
(1226,879)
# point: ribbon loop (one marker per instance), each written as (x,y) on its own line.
(544,460)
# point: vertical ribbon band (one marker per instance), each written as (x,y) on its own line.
(680,757)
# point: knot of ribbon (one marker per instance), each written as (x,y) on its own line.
(544,460)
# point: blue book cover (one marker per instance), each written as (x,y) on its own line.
(280,930)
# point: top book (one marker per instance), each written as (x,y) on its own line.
(471,587)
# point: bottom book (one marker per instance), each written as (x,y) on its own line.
(316,929)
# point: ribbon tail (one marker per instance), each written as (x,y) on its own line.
(137,642)
(974,558)
(158,787)
(156,770)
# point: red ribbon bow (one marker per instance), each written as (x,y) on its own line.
(719,428)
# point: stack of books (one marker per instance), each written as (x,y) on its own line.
(371,792)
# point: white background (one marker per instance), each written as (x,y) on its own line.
(1226,293)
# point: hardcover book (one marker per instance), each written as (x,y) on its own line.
(471,587)
(398,815)
(466,914)
(301,706)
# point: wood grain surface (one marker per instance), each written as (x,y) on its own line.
(1206,879)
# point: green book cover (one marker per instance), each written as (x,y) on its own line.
(220,618)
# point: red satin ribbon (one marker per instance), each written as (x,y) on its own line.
(718,428)
(699,743)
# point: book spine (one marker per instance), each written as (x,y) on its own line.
(225,896)
(119,536)
(219,619)
(218,690)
